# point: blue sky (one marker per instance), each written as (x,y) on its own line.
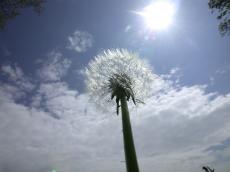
(46,115)
(192,43)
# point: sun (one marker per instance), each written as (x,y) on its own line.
(158,15)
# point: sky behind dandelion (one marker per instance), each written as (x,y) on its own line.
(47,121)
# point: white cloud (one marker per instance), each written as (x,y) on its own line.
(10,92)
(174,70)
(13,73)
(17,76)
(127,28)
(56,98)
(54,67)
(80,41)
(175,130)
(31,133)
(174,74)
(212,80)
(224,70)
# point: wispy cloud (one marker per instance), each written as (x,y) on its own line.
(224,70)
(212,80)
(127,28)
(16,75)
(80,41)
(54,67)
(57,99)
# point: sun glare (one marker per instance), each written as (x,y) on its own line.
(158,15)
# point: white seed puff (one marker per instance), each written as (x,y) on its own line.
(114,62)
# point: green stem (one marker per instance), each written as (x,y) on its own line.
(130,153)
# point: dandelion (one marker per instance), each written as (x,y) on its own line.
(120,75)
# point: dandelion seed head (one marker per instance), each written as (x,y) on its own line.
(117,68)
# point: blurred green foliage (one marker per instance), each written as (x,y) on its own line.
(223,9)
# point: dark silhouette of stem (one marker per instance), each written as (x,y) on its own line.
(130,153)
(208,169)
